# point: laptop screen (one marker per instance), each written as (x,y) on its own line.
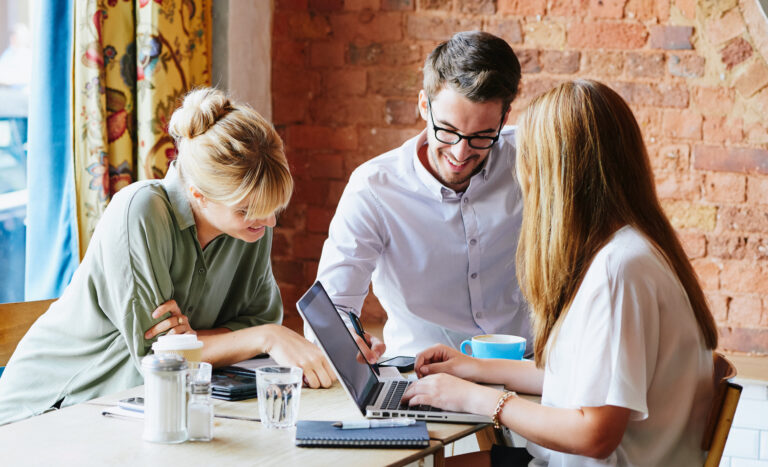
(321,315)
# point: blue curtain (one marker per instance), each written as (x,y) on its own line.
(52,248)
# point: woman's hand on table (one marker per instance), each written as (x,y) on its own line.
(289,348)
(449,392)
(177,323)
(443,359)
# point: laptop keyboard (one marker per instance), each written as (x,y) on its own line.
(395,393)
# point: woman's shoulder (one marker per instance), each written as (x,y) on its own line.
(629,254)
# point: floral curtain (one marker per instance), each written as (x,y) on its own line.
(134,60)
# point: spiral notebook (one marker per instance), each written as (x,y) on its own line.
(324,434)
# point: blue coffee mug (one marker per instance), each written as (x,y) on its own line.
(495,346)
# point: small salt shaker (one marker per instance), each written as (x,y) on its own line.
(200,411)
(165,401)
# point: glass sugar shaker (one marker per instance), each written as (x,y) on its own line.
(165,401)
(200,411)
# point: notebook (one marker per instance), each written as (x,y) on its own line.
(375,395)
(321,433)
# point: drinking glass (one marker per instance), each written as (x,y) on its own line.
(279,390)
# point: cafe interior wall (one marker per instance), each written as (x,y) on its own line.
(346,74)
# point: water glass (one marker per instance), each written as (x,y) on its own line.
(279,391)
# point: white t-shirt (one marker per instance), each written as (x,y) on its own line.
(630,339)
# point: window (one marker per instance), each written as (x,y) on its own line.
(15,71)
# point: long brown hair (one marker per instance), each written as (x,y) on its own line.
(584,172)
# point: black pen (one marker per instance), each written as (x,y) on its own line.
(359,331)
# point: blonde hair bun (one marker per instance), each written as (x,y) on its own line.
(201,109)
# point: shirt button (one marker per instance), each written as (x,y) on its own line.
(190,309)
(473,242)
(466,200)
(473,275)
(201,271)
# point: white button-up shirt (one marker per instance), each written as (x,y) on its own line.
(442,263)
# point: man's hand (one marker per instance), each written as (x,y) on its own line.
(289,348)
(177,323)
(372,352)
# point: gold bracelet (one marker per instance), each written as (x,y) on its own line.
(499,405)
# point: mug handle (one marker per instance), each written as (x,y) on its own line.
(466,343)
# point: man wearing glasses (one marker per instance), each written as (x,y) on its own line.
(433,225)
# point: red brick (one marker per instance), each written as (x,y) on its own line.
(645,10)
(713,100)
(290,52)
(738,339)
(437,28)
(568,8)
(647,94)
(748,219)
(687,215)
(289,109)
(529,60)
(603,63)
(745,160)
(357,5)
(348,111)
(326,5)
(477,7)
(440,5)
(606,36)
(677,185)
(388,54)
(728,246)
(687,8)
(290,5)
(281,247)
(649,120)
(684,124)
(506,28)
(293,217)
(751,78)
(554,61)
(607,8)
(318,219)
(686,65)
(300,25)
(401,112)
(310,270)
(313,137)
(673,157)
(345,82)
(522,7)
(671,37)
(722,130)
(725,188)
(645,65)
(326,54)
(757,249)
(308,246)
(294,81)
(695,245)
(718,305)
(725,27)
(397,5)
(735,52)
(312,192)
(759,103)
(530,87)
(375,141)
(708,272)
(368,26)
(745,309)
(395,82)
(757,189)
(287,271)
(374,312)
(743,277)
(757,133)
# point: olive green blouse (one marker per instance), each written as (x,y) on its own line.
(143,252)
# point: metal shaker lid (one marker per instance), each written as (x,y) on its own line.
(164,362)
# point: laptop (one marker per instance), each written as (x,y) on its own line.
(376,396)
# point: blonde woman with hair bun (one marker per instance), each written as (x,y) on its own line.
(623,336)
(186,254)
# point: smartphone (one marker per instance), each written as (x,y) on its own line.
(402,363)
(132,403)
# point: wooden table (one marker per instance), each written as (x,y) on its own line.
(80,435)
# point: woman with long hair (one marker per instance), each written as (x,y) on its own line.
(186,254)
(623,334)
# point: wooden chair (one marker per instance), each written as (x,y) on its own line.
(723,409)
(15,320)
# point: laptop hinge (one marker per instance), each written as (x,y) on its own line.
(373,395)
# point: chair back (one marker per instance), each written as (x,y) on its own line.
(723,409)
(15,320)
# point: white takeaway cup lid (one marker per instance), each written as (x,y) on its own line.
(177,342)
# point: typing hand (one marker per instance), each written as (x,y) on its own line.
(448,392)
(176,323)
(443,359)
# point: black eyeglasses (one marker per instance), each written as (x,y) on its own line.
(446,136)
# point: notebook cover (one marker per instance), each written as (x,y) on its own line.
(324,434)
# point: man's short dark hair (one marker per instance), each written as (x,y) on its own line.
(477,65)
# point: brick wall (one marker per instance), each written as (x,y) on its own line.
(346,74)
